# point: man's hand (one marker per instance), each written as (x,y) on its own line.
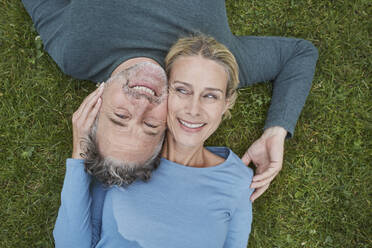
(83,119)
(266,153)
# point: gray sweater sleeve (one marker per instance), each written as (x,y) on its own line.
(289,63)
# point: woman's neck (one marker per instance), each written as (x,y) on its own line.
(193,156)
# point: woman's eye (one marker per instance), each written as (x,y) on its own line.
(210,96)
(182,90)
(150,125)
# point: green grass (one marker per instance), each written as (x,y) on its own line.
(321,198)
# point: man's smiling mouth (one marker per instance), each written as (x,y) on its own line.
(144,90)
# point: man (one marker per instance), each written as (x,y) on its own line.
(128,133)
(91,39)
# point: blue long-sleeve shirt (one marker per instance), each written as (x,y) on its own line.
(179,207)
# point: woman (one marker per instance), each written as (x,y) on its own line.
(198,197)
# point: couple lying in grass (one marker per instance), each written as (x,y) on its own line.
(119,130)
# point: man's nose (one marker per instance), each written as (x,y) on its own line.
(141,105)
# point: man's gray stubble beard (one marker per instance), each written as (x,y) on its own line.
(127,75)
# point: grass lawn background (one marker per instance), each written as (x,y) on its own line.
(321,198)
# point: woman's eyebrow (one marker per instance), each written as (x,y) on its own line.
(189,85)
(184,83)
(214,89)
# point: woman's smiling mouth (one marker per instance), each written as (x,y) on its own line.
(192,126)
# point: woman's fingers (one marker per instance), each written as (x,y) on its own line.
(93,114)
(91,96)
(83,119)
(89,105)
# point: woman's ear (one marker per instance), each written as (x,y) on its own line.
(227,106)
(226,113)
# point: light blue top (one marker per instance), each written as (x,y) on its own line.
(179,207)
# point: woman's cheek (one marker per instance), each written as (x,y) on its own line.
(171,102)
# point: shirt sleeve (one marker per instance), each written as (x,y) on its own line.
(98,193)
(73,226)
(289,63)
(240,224)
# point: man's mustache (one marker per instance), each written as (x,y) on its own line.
(138,95)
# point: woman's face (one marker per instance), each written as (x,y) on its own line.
(197,99)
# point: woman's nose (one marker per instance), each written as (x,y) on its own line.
(193,107)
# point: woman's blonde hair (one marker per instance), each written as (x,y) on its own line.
(208,48)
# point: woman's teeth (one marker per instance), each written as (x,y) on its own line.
(144,89)
(189,125)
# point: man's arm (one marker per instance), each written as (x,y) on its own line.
(290,64)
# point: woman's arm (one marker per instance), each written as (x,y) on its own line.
(240,224)
(74,222)
(73,227)
(98,193)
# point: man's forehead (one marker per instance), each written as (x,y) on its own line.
(127,147)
